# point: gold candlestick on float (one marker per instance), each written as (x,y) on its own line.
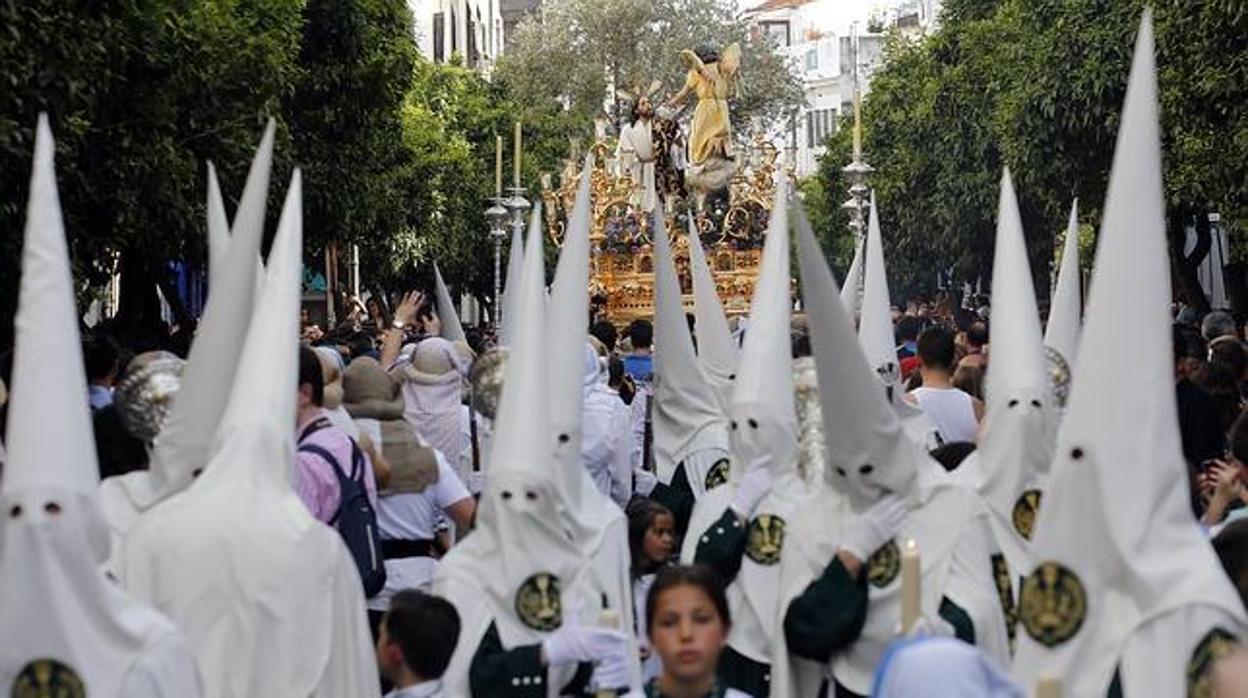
(911,584)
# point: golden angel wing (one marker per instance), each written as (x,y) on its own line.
(691,60)
(730,60)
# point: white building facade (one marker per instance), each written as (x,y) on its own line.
(826,60)
(470,29)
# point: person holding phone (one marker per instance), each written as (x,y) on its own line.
(1221,480)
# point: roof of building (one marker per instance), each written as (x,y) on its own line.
(770,5)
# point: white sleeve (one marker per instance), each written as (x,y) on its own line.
(167,668)
(449,488)
(621,463)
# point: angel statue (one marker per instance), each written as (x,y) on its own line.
(712,77)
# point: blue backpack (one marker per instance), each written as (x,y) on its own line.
(355,519)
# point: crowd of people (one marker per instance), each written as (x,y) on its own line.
(835,497)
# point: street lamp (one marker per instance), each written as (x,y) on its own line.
(516,205)
(496,214)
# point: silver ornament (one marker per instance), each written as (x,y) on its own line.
(144,396)
(1059,374)
(486,380)
(810,447)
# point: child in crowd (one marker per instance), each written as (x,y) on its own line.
(418,635)
(688,621)
(651,539)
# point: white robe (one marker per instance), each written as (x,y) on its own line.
(636,154)
(269,598)
(955,546)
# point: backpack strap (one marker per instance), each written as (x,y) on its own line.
(328,457)
(314,426)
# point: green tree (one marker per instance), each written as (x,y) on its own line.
(575,51)
(450,117)
(140,96)
(356,64)
(1038,85)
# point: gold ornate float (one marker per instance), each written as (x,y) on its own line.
(731,225)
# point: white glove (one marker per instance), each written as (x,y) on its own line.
(644,481)
(870,530)
(751,488)
(571,644)
(612,674)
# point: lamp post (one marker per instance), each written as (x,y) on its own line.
(516,205)
(496,215)
(858,170)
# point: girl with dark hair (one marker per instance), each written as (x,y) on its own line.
(651,538)
(688,620)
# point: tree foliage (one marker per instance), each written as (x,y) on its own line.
(140,96)
(574,52)
(356,63)
(1038,85)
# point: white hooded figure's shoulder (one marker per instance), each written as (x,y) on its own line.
(166,668)
(1203,633)
(950,503)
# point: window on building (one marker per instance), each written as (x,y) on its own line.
(812,60)
(454,33)
(778,31)
(820,125)
(439,37)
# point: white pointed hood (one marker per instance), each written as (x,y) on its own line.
(687,414)
(55,604)
(875,326)
(718,353)
(452,331)
(239,544)
(851,292)
(515,261)
(1020,426)
(567,332)
(263,397)
(867,455)
(763,414)
(185,442)
(218,229)
(1066,309)
(519,531)
(1116,544)
(875,334)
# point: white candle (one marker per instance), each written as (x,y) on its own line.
(911,608)
(1048,688)
(519,148)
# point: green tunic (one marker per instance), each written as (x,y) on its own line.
(829,616)
(678,498)
(497,672)
(721,547)
(652,690)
